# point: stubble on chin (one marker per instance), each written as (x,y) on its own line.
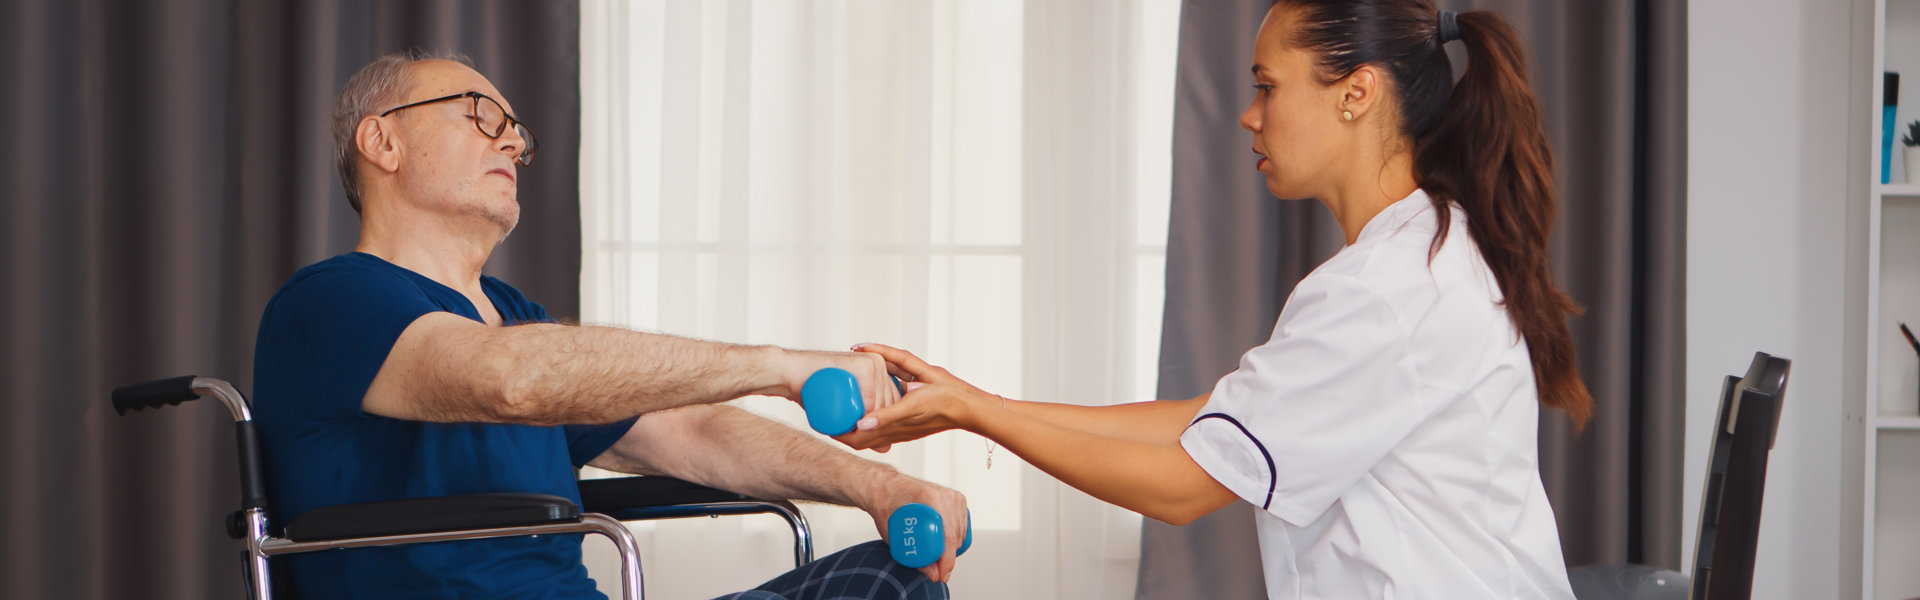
(506,219)
(498,215)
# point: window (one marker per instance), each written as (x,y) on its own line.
(982,182)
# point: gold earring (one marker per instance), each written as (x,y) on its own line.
(1346,114)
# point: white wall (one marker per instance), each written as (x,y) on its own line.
(1775,241)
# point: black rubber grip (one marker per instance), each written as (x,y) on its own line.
(253,478)
(153,394)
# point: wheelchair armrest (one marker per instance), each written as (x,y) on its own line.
(426,515)
(626,493)
(658,497)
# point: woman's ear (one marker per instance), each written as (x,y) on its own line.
(375,142)
(1360,91)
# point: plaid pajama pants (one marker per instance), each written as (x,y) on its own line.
(863,572)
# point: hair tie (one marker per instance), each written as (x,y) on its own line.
(1449,26)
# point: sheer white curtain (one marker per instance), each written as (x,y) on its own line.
(983,182)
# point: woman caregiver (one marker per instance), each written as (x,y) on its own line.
(1387,430)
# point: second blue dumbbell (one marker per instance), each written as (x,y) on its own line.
(916,537)
(832,400)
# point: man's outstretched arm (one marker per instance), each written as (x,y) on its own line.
(448,368)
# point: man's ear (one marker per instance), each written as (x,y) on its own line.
(376,143)
(1360,90)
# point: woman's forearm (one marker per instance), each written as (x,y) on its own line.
(1159,421)
(1154,477)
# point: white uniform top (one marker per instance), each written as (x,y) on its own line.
(1388,429)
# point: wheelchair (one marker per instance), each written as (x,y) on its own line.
(605,504)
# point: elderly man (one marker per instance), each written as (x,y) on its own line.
(399,370)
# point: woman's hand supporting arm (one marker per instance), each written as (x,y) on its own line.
(1127,455)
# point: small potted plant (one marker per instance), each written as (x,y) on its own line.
(1911,139)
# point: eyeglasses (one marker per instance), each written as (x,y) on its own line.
(490,119)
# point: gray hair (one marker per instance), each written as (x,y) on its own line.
(378,86)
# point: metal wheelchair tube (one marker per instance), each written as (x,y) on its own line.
(223,391)
(589,523)
(802,536)
(253,478)
(259,581)
(629,550)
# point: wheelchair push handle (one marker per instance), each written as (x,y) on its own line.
(161,393)
(154,394)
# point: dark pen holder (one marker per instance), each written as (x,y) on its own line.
(1915,343)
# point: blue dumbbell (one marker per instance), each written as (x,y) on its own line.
(916,538)
(915,535)
(832,400)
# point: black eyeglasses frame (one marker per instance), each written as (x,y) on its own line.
(526,154)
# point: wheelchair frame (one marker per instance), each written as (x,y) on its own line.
(456,517)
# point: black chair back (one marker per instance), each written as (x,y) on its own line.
(1736,477)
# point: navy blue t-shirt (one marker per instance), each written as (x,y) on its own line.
(322,340)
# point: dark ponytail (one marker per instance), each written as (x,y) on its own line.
(1480,143)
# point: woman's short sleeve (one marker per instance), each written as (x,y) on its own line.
(1310,412)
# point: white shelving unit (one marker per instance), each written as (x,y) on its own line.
(1891,536)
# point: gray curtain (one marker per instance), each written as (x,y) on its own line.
(167,167)
(1610,77)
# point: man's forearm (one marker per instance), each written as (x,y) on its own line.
(449,369)
(566,374)
(729,448)
(725,447)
